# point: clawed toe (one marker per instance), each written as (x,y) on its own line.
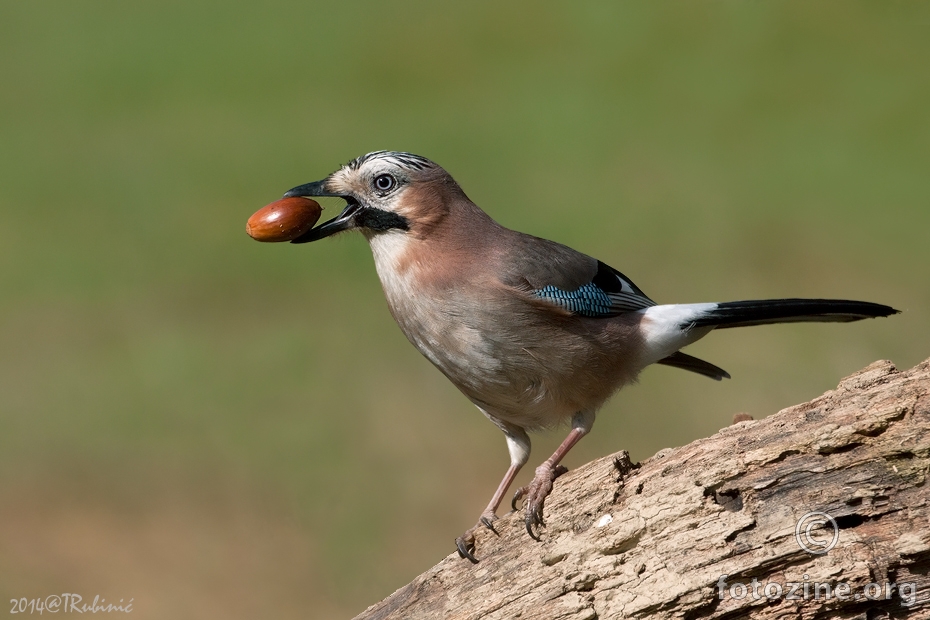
(466,542)
(517,496)
(466,547)
(536,493)
(533,519)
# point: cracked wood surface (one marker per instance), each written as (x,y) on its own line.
(652,540)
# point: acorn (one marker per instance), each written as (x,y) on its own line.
(283,220)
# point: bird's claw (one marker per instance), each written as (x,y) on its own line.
(517,496)
(466,542)
(536,493)
(534,519)
(466,546)
(488,522)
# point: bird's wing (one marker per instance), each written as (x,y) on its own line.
(574,282)
(607,294)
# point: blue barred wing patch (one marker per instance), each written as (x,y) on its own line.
(587,300)
(608,294)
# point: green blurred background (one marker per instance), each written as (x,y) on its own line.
(221,428)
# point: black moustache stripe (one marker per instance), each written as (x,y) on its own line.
(380,220)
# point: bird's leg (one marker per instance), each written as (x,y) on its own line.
(466,542)
(518,443)
(537,490)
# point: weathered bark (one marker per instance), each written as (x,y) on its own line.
(653,539)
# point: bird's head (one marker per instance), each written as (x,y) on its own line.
(385,191)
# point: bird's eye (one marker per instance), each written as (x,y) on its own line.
(385,183)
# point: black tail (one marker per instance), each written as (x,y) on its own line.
(764,311)
(688,362)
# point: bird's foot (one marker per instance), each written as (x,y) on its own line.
(466,542)
(535,493)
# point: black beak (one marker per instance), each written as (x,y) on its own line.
(343,221)
(311,190)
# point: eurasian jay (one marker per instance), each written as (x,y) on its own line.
(531,331)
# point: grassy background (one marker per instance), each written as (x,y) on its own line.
(220,428)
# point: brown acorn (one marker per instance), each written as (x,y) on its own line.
(283,220)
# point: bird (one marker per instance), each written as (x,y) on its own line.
(533,333)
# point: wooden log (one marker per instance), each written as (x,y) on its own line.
(717,528)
